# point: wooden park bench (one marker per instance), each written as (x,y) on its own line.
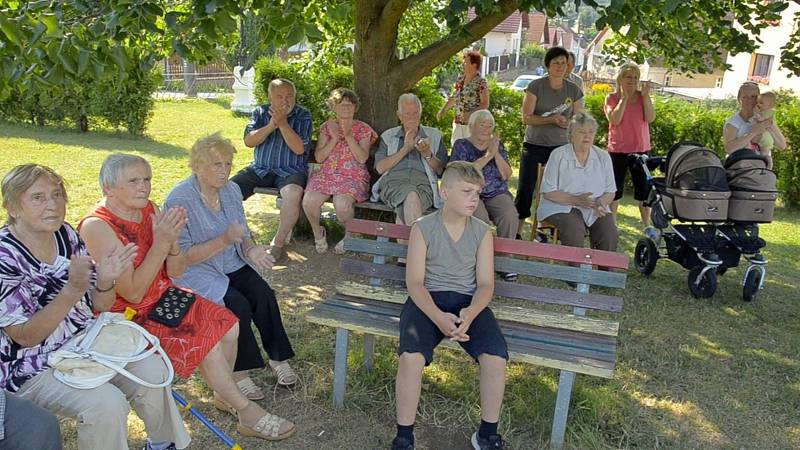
(547,327)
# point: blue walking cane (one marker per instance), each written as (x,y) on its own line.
(187,406)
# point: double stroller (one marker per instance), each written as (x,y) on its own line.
(718,208)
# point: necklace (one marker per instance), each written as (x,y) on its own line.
(208,202)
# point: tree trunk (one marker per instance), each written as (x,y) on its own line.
(380,77)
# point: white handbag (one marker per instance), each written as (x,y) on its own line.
(100,352)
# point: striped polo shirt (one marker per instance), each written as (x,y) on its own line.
(274,155)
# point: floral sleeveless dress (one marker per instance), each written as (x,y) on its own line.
(341,173)
(202,327)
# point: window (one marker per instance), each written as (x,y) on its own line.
(760,68)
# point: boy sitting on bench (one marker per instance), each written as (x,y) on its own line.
(450,281)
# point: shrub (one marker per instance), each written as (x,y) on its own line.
(113,101)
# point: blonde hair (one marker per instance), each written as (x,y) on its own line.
(20,179)
(747,85)
(462,171)
(627,67)
(205,147)
(769,95)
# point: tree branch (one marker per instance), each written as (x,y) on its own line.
(413,68)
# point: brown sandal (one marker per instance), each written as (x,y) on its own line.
(268,427)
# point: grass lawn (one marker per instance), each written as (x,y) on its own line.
(717,373)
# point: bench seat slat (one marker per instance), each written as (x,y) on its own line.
(501,288)
(503,312)
(329,314)
(568,342)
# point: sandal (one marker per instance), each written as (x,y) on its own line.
(321,244)
(249,389)
(224,406)
(339,249)
(285,373)
(268,427)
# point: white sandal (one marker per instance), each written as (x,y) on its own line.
(285,373)
(268,427)
(339,249)
(321,244)
(250,389)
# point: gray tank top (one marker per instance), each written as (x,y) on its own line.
(449,265)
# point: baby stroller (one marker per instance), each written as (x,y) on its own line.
(695,192)
(753,194)
(719,208)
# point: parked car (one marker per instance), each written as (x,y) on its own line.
(522,82)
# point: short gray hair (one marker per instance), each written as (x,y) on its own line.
(580,119)
(481,114)
(114,165)
(408,97)
(277,82)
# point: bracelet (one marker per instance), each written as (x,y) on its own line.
(98,290)
(174,254)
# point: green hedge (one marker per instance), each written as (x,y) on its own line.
(112,102)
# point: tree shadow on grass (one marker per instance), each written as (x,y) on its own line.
(103,140)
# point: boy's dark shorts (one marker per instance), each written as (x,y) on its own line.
(418,333)
(248,180)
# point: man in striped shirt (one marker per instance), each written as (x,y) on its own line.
(281,134)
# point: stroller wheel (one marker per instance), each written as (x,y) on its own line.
(702,286)
(752,281)
(645,256)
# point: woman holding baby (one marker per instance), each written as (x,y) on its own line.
(753,126)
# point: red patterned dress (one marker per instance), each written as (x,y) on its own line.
(202,327)
(341,173)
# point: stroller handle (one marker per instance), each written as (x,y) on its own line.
(649,163)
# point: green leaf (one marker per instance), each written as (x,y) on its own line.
(172,19)
(312,32)
(296,35)
(181,48)
(226,23)
(83,61)
(51,22)
(670,6)
(119,57)
(11,31)
(70,65)
(211,8)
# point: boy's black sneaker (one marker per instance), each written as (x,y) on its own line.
(493,442)
(401,443)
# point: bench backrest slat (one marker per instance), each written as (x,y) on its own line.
(562,253)
(524,267)
(501,288)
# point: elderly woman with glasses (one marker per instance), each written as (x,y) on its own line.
(50,288)
(207,336)
(223,261)
(578,188)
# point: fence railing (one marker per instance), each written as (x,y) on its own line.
(178,75)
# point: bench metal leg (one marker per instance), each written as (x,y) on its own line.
(565,383)
(340,367)
(369,350)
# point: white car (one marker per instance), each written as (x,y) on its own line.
(522,82)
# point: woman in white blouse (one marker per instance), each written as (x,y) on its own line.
(578,188)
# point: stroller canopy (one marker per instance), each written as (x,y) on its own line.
(690,166)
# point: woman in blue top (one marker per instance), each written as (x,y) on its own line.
(224,262)
(487,153)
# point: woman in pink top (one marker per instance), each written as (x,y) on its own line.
(629,111)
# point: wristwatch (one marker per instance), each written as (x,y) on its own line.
(428,158)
